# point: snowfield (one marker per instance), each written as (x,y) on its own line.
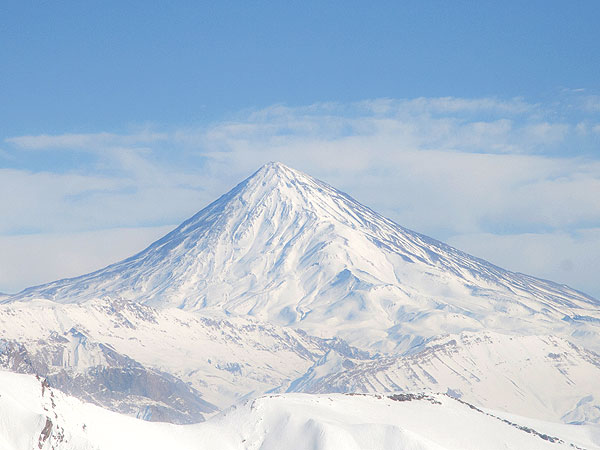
(35,416)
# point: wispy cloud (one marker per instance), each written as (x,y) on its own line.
(40,258)
(452,105)
(564,257)
(592,103)
(85,142)
(5,155)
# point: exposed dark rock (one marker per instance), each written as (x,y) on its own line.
(45,433)
(119,383)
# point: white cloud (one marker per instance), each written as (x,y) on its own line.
(5,155)
(86,142)
(440,124)
(38,258)
(570,258)
(442,175)
(591,103)
(52,202)
(472,105)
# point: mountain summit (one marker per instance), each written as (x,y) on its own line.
(287,248)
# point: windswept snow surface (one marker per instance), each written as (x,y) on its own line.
(288,249)
(33,415)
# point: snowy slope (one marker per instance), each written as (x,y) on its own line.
(98,374)
(541,377)
(222,358)
(288,249)
(33,415)
(128,347)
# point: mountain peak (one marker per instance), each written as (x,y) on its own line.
(275,171)
(275,183)
(274,166)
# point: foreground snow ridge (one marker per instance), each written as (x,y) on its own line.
(35,416)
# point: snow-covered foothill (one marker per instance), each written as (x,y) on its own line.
(543,377)
(224,358)
(34,416)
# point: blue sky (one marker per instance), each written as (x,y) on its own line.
(84,66)
(475,122)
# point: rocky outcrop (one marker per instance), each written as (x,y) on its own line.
(96,373)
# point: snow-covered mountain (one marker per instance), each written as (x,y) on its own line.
(288,249)
(104,349)
(96,373)
(134,359)
(536,376)
(286,284)
(34,415)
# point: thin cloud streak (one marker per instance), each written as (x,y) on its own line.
(84,142)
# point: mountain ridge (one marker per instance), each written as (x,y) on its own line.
(546,377)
